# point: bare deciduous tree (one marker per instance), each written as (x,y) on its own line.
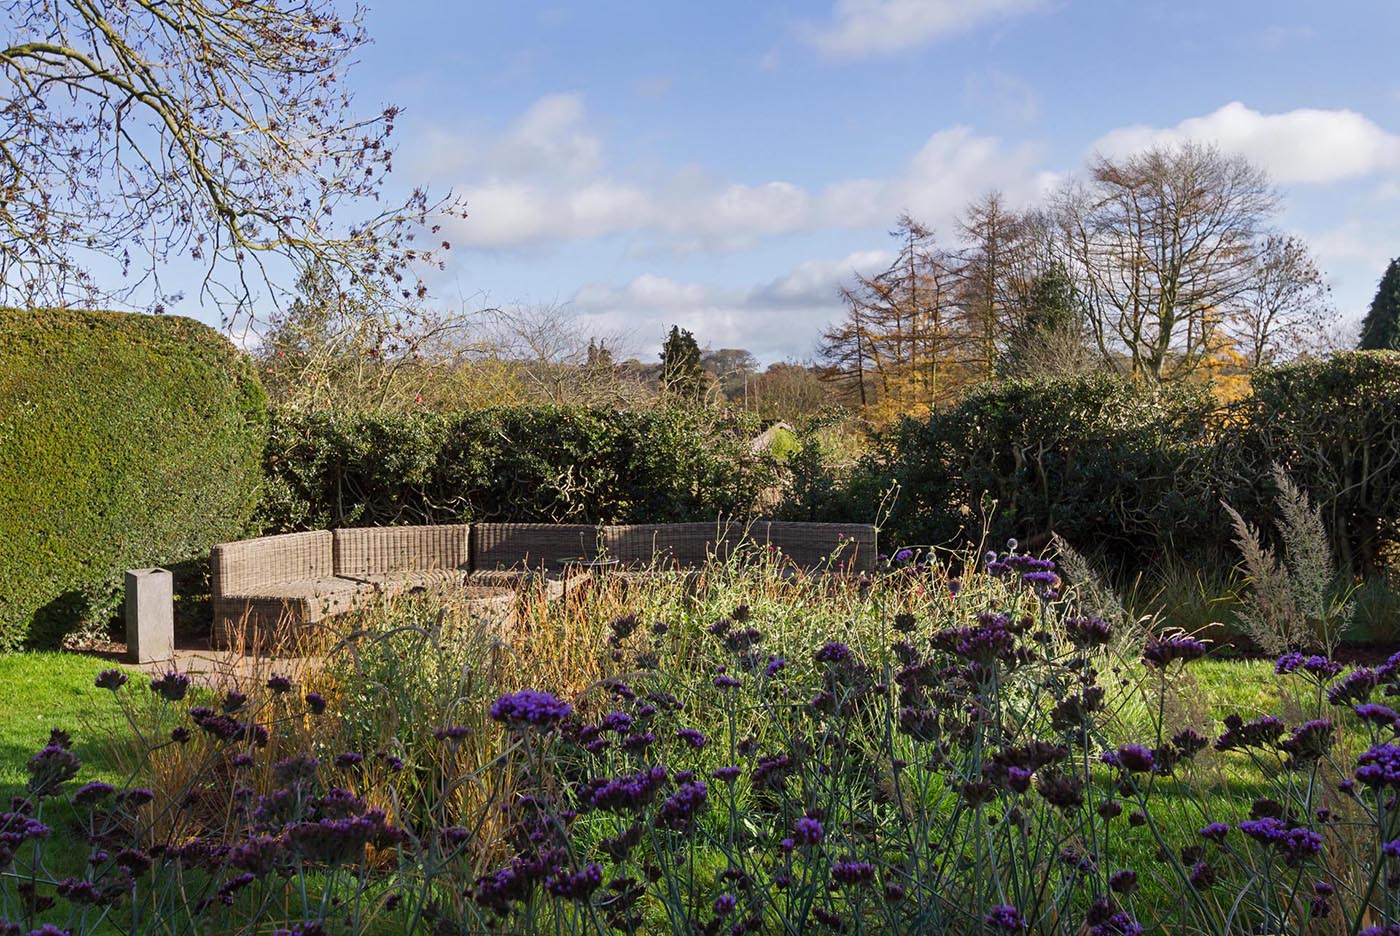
(333,346)
(788,390)
(136,133)
(1163,242)
(555,355)
(895,345)
(992,277)
(1284,310)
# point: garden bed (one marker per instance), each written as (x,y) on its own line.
(758,754)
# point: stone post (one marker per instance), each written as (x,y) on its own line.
(150,616)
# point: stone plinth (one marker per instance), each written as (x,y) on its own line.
(150,615)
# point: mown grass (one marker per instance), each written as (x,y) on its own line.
(43,691)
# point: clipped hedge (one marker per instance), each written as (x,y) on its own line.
(1134,473)
(545,464)
(125,441)
(1114,467)
(1335,425)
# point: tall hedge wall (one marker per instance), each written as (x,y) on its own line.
(1335,423)
(522,464)
(1134,473)
(125,441)
(1117,468)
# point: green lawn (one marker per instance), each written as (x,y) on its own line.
(43,691)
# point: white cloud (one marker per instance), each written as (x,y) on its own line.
(1353,245)
(549,140)
(1302,146)
(860,28)
(546,180)
(814,283)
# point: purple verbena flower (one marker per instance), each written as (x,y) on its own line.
(1354,688)
(1123,882)
(678,811)
(1321,666)
(1119,924)
(577,886)
(853,873)
(1161,651)
(808,831)
(171,687)
(1295,844)
(691,737)
(529,708)
(94,792)
(1377,714)
(1133,758)
(1006,918)
(619,722)
(1308,742)
(1379,766)
(1216,831)
(112,679)
(726,774)
(1242,735)
(1088,631)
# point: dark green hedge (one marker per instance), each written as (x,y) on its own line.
(125,441)
(1134,474)
(1335,424)
(1114,467)
(522,464)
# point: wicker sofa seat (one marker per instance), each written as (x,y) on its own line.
(513,554)
(307,577)
(261,581)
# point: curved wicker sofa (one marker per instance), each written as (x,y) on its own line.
(307,577)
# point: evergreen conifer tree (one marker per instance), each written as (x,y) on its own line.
(1380,330)
(680,364)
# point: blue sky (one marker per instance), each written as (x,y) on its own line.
(724,165)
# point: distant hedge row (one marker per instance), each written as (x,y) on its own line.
(1130,472)
(1136,473)
(125,441)
(128,441)
(525,464)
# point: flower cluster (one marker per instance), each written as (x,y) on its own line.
(529,708)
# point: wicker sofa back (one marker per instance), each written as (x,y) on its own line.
(825,547)
(245,566)
(530,546)
(677,545)
(362,552)
(305,577)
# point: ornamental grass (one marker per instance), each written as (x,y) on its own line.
(958,744)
